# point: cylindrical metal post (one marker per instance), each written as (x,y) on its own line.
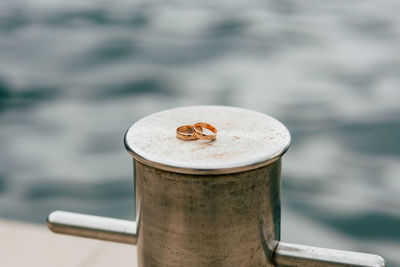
(294,255)
(208,203)
(91,226)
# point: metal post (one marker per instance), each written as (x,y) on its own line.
(298,255)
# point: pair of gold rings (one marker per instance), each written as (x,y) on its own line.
(195,131)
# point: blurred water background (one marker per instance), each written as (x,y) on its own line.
(74,75)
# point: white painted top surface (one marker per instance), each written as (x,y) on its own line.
(246,139)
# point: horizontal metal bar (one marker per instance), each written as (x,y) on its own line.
(90,226)
(298,255)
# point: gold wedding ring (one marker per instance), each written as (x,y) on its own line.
(195,131)
(200,133)
(186,132)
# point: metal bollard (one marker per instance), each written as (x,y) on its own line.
(207,203)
